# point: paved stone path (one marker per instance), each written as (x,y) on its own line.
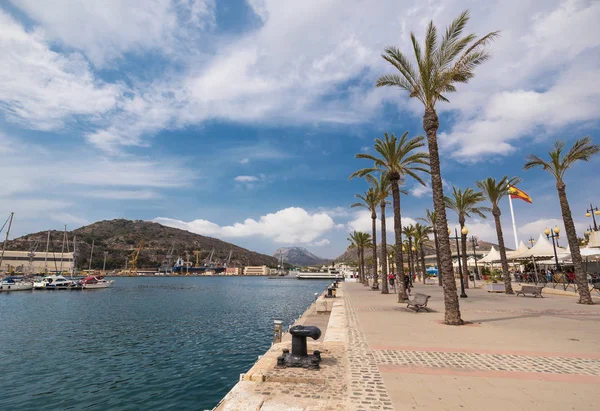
(367,390)
(489,362)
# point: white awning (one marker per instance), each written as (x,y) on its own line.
(520,250)
(492,256)
(541,249)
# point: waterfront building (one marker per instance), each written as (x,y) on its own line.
(234,271)
(257,270)
(27,262)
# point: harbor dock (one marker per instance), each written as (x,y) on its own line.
(515,352)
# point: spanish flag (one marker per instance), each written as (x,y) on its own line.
(516,193)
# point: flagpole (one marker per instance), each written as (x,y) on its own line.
(512,214)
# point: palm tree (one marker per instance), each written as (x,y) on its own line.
(430,220)
(409,232)
(421,238)
(495,191)
(398,158)
(382,186)
(370,200)
(559,163)
(360,241)
(440,65)
(465,203)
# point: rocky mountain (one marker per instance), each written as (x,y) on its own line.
(119,238)
(299,256)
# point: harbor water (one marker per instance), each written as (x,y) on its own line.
(148,343)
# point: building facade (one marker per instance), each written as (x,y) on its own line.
(257,270)
(27,262)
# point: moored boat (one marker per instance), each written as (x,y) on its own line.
(53,282)
(93,282)
(15,284)
(330,274)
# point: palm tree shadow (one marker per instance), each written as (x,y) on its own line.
(489,320)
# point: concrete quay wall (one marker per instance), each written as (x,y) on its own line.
(265,388)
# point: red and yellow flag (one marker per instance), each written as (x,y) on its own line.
(516,193)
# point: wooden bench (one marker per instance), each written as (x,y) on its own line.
(419,301)
(535,290)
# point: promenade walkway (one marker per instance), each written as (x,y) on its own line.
(516,353)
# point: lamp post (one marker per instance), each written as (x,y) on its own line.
(531,241)
(592,212)
(460,272)
(554,235)
(475,244)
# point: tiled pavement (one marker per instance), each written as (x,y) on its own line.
(522,353)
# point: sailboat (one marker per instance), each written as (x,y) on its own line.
(281,272)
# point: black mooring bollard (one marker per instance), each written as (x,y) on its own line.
(299,356)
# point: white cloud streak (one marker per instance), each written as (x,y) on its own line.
(288,226)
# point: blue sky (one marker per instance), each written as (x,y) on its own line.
(240,119)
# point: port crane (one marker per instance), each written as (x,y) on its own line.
(31,256)
(134,259)
(197,254)
(228,258)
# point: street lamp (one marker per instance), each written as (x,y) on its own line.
(475,244)
(531,241)
(554,235)
(460,272)
(591,213)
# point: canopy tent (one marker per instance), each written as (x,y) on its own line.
(541,249)
(492,256)
(589,252)
(520,250)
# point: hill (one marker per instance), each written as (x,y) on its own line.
(120,237)
(299,256)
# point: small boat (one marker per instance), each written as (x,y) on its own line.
(93,283)
(15,284)
(53,282)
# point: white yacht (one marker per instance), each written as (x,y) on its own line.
(328,274)
(95,282)
(52,282)
(15,284)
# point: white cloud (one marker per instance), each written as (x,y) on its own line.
(420,190)
(321,242)
(107,29)
(288,226)
(246,179)
(362,222)
(244,160)
(535,228)
(41,88)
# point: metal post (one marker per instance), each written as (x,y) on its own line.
(6,239)
(91,255)
(474,242)
(512,214)
(591,211)
(278,331)
(462,283)
(104,263)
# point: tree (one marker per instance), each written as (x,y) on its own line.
(559,163)
(421,239)
(398,158)
(370,200)
(440,66)
(495,191)
(465,203)
(360,241)
(430,220)
(409,232)
(382,186)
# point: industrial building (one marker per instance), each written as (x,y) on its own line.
(27,262)
(257,270)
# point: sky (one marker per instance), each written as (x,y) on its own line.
(240,120)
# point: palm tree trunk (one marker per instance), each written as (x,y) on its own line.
(507,284)
(580,274)
(398,234)
(437,257)
(384,266)
(410,261)
(463,248)
(452,308)
(360,267)
(374,229)
(424,270)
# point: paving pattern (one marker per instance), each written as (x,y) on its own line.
(489,362)
(367,390)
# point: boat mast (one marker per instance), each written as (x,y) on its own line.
(62,251)
(46,258)
(73,267)
(91,255)
(6,239)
